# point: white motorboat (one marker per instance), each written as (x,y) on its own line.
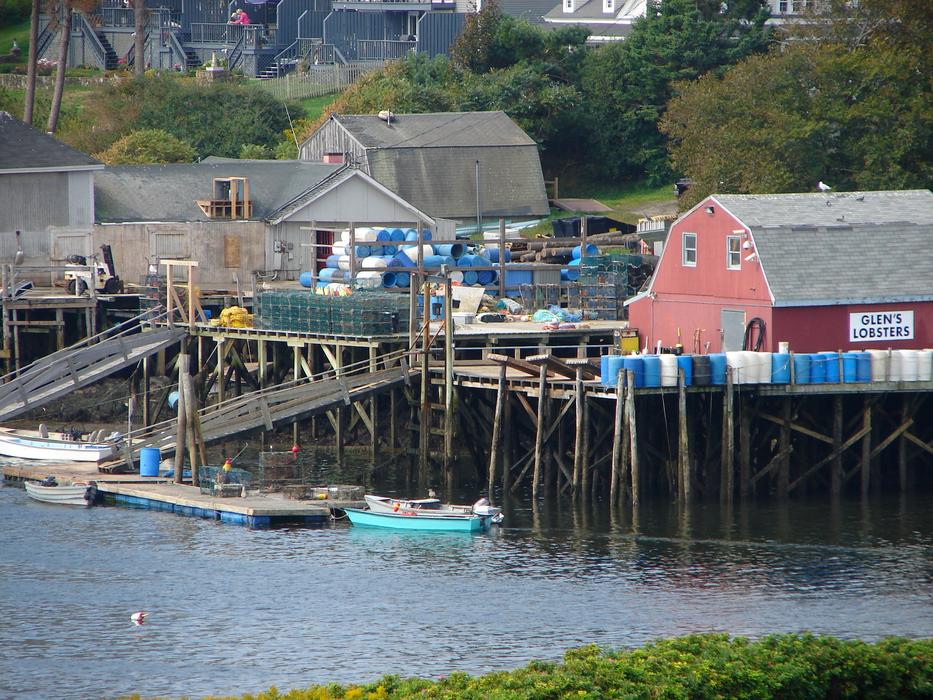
(431,506)
(67,447)
(77,493)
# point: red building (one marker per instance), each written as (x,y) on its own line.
(821,271)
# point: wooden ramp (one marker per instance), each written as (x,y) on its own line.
(266,408)
(62,372)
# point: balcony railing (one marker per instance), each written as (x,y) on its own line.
(383,49)
(437,4)
(252,35)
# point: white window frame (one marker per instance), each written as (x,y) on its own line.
(737,265)
(684,248)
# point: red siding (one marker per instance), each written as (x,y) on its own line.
(690,299)
(816,328)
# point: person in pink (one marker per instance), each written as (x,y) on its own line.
(243,18)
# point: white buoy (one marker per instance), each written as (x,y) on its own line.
(139,618)
(924,365)
(668,369)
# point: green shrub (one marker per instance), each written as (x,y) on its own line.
(147,146)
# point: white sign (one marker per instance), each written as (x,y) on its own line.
(881,325)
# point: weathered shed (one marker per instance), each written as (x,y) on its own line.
(432,160)
(822,271)
(44,186)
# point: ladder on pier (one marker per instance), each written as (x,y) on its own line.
(282,403)
(84,363)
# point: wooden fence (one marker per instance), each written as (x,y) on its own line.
(320,80)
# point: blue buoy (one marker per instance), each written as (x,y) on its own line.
(717,363)
(363,251)
(780,368)
(802,367)
(470,277)
(685,362)
(149,460)
(333,261)
(484,277)
(396,235)
(412,235)
(652,369)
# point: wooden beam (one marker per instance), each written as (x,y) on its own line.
(539,429)
(928,446)
(494,444)
(515,363)
(794,426)
(554,365)
(633,433)
(842,448)
(590,370)
(727,462)
(615,465)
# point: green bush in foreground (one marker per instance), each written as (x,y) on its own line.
(790,667)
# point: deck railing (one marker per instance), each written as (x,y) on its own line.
(227,34)
(93,41)
(383,49)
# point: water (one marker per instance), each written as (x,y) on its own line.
(234,610)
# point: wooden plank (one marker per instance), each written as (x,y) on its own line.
(794,426)
(812,470)
(555,366)
(515,363)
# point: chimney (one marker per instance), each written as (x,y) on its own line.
(333,157)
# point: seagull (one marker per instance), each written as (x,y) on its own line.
(138,618)
(823,187)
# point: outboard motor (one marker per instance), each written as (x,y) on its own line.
(90,494)
(49,481)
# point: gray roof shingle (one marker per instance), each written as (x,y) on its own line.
(168,192)
(843,264)
(435,130)
(23,147)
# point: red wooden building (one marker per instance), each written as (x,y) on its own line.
(821,271)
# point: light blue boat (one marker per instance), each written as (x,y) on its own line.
(419,520)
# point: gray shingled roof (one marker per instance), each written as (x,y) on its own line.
(832,209)
(435,130)
(442,181)
(863,263)
(24,148)
(530,10)
(168,192)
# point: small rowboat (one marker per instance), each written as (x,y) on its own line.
(431,506)
(32,445)
(75,494)
(419,520)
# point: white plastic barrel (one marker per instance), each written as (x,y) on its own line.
(668,370)
(374,262)
(369,279)
(344,237)
(895,366)
(344,262)
(924,365)
(909,365)
(762,362)
(365,235)
(879,365)
(412,252)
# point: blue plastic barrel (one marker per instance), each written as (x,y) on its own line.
(454,250)
(817,368)
(466,260)
(402,279)
(685,363)
(849,367)
(604,368)
(652,365)
(412,235)
(571,274)
(434,260)
(702,370)
(333,261)
(590,250)
(516,278)
(470,277)
(613,364)
(402,260)
(149,460)
(831,366)
(780,368)
(493,254)
(484,276)
(363,251)
(717,363)
(802,367)
(636,365)
(383,235)
(388,279)
(863,367)
(396,235)
(306,279)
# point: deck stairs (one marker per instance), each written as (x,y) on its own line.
(112,59)
(285,402)
(84,363)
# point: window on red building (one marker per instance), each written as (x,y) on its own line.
(689,249)
(734,252)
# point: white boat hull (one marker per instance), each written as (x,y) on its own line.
(47,449)
(72,495)
(429,506)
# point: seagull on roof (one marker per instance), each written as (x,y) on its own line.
(823,187)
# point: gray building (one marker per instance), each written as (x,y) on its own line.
(238,217)
(434,161)
(46,191)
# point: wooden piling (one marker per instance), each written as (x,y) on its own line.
(683,439)
(424,435)
(449,387)
(902,474)
(632,432)
(727,469)
(181,423)
(539,429)
(615,467)
(495,449)
(866,448)
(745,450)
(783,474)
(836,472)
(578,457)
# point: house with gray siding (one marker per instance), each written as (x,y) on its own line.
(46,192)
(434,161)
(149,213)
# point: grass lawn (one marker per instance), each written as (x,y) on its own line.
(20,32)
(314,106)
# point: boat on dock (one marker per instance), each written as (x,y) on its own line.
(431,506)
(67,446)
(420,520)
(48,490)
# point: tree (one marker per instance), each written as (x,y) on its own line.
(471,50)
(64,41)
(253,151)
(627,84)
(140,19)
(857,119)
(31,62)
(147,146)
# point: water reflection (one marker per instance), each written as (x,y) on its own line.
(234,610)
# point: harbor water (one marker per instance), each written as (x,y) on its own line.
(233,610)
